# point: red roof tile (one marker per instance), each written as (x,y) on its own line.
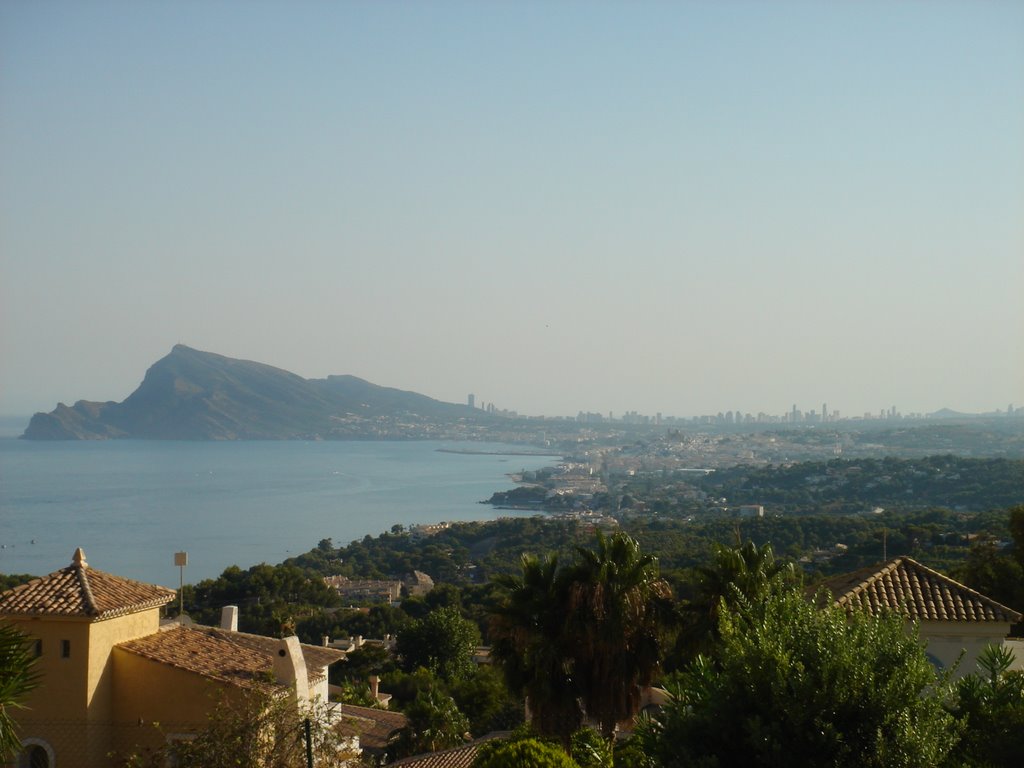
(374,727)
(232,657)
(79,590)
(916,591)
(456,757)
(206,655)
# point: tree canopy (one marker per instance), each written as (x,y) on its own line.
(442,641)
(990,704)
(800,685)
(522,753)
(588,633)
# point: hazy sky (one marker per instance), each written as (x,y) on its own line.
(675,207)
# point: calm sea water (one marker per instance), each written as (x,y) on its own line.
(131,504)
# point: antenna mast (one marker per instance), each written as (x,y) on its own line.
(181,560)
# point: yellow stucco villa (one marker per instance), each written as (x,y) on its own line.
(114,681)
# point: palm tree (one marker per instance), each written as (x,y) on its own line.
(746,570)
(18,678)
(617,606)
(528,640)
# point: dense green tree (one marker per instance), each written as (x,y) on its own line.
(798,685)
(404,687)
(442,641)
(1017,532)
(444,596)
(990,703)
(435,723)
(584,639)
(12,580)
(273,599)
(18,678)
(529,641)
(522,753)
(590,749)
(360,664)
(486,700)
(617,607)
(994,574)
(747,570)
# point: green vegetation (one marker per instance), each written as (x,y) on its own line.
(587,634)
(744,572)
(855,485)
(9,581)
(263,730)
(522,753)
(990,704)
(795,684)
(272,598)
(579,622)
(435,723)
(18,678)
(529,641)
(442,642)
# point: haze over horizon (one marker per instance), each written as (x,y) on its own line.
(678,208)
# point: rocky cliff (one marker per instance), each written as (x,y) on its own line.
(194,395)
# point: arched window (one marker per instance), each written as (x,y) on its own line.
(36,753)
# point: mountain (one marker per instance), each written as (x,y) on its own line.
(194,395)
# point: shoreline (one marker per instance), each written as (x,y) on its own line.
(469,452)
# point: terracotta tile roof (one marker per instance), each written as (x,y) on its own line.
(916,591)
(374,727)
(456,757)
(317,657)
(205,654)
(79,590)
(232,657)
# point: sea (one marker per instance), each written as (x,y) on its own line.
(132,504)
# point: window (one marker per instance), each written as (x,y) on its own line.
(39,648)
(65,649)
(35,753)
(37,757)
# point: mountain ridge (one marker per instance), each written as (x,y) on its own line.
(194,395)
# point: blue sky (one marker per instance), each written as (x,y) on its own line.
(665,207)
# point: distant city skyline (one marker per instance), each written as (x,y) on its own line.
(662,207)
(794,415)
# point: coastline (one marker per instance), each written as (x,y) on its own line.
(132,504)
(471,452)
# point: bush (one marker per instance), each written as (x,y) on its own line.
(798,685)
(522,753)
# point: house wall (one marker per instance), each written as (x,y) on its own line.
(103,636)
(153,701)
(319,691)
(71,708)
(1016,647)
(946,640)
(54,712)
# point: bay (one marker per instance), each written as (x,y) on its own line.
(131,504)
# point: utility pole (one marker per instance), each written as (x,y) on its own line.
(181,560)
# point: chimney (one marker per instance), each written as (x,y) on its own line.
(290,668)
(325,640)
(359,641)
(374,686)
(229,618)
